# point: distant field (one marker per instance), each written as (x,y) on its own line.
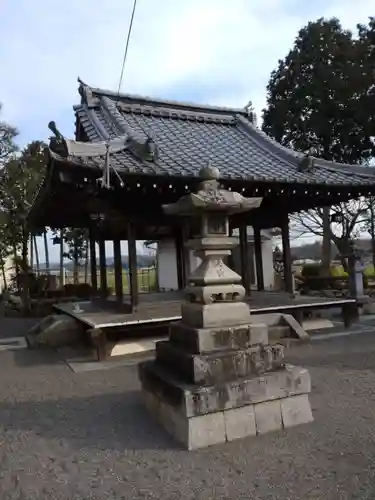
(146,279)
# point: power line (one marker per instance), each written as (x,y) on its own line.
(106,177)
(126,47)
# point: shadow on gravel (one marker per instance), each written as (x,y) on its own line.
(27,358)
(16,327)
(110,421)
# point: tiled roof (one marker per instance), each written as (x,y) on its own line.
(187,136)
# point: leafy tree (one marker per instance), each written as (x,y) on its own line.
(312,97)
(19,183)
(8,147)
(367,102)
(7,141)
(4,252)
(77,249)
(316,102)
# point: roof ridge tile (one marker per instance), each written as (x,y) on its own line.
(85,89)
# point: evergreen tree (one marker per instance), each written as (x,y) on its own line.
(317,102)
(313,96)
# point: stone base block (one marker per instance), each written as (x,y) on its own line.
(240,423)
(268,416)
(56,330)
(205,340)
(296,410)
(369,307)
(215,315)
(221,366)
(222,426)
(192,400)
(193,433)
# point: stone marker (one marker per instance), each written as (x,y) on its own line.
(217,378)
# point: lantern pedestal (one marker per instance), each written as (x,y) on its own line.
(217,378)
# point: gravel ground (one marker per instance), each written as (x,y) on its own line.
(16,327)
(86,436)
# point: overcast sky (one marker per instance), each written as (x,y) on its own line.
(208,51)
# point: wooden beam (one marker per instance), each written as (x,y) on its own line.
(244,254)
(287,256)
(258,258)
(133,270)
(102,268)
(93,267)
(118,270)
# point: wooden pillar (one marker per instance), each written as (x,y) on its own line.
(102,268)
(287,257)
(185,251)
(182,255)
(258,258)
(62,269)
(244,253)
(93,268)
(179,259)
(133,271)
(118,269)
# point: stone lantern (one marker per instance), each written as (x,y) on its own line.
(217,378)
(214,296)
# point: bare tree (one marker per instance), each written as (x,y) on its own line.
(345,224)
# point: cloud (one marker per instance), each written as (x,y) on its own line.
(210,51)
(215,51)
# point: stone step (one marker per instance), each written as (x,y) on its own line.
(287,342)
(219,366)
(277,332)
(191,400)
(228,425)
(205,340)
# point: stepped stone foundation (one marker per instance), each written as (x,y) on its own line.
(217,378)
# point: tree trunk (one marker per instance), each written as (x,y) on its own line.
(344,263)
(326,247)
(16,264)
(31,252)
(46,252)
(36,257)
(26,302)
(344,249)
(3,273)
